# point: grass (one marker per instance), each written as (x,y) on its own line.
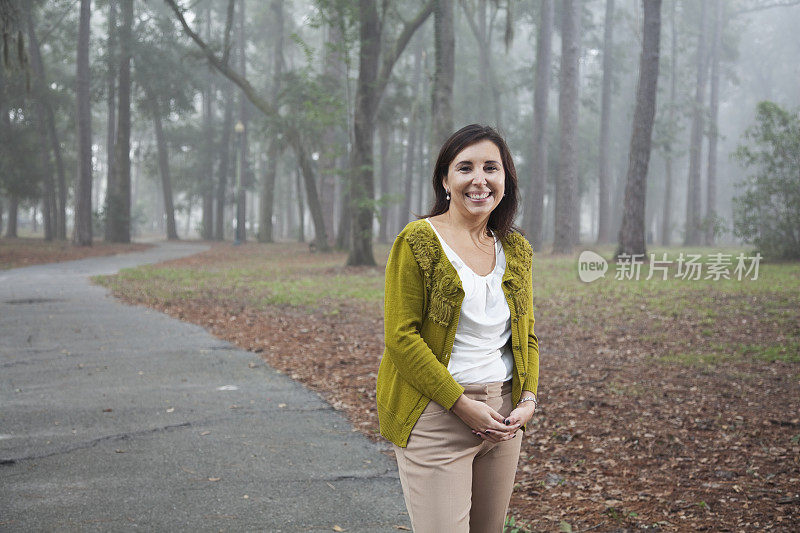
(701,322)
(256,275)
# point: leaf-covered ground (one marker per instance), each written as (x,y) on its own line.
(665,405)
(20,252)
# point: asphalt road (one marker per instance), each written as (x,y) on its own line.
(120,418)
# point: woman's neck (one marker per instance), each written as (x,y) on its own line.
(476,227)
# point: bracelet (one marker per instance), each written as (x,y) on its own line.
(530,399)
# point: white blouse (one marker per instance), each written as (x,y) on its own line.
(480,352)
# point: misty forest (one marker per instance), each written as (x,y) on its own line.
(318,121)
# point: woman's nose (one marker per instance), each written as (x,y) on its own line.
(479,177)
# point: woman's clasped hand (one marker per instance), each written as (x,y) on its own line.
(487,423)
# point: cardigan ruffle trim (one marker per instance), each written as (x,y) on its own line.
(443,286)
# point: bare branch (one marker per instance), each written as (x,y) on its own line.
(408,30)
(788,3)
(226,47)
(222,66)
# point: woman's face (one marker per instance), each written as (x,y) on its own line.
(476,180)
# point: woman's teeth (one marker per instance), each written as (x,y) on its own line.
(480,196)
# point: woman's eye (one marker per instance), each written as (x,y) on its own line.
(464,169)
(491,167)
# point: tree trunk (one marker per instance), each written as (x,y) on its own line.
(82,231)
(208,141)
(692,237)
(344,237)
(268,193)
(666,220)
(568,103)
(384,134)
(13,213)
(713,132)
(603,230)
(362,187)
(49,208)
(241,193)
(118,195)
(163,167)
(312,197)
(224,154)
(632,232)
(444,72)
(268,186)
(332,142)
(535,204)
(111,84)
(404,213)
(488,85)
(301,209)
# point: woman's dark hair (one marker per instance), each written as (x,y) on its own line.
(501,220)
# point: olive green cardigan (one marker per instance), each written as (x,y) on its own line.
(422,305)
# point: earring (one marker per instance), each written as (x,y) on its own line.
(448,195)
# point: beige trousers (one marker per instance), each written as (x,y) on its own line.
(453,481)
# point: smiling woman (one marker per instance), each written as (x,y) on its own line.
(458,378)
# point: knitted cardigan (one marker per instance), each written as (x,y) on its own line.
(422,304)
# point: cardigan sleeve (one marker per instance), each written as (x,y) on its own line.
(532,378)
(404,302)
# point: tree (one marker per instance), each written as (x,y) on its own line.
(631,234)
(413,125)
(44,112)
(710,221)
(82,232)
(118,192)
(163,162)
(666,221)
(334,139)
(535,205)
(692,237)
(567,184)
(369,89)
(603,222)
(444,72)
(767,211)
(242,146)
(111,88)
(208,140)
(273,151)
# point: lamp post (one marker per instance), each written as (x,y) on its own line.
(239,235)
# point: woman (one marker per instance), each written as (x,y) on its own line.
(458,378)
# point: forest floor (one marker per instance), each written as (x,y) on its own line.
(669,405)
(26,251)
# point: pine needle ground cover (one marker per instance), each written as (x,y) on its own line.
(666,404)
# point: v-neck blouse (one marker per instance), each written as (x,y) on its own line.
(481,353)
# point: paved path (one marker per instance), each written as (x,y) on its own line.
(117,418)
